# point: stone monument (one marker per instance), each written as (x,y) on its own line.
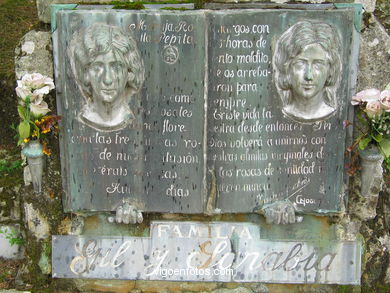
(206,112)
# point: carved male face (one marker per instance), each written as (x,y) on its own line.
(108,76)
(309,72)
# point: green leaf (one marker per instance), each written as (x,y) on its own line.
(385,146)
(360,137)
(378,137)
(37,129)
(22,112)
(388,87)
(364,143)
(360,117)
(24,129)
(36,117)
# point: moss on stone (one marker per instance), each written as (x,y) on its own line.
(175,8)
(348,289)
(11,180)
(35,277)
(379,288)
(128,5)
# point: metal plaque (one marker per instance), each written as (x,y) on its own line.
(278,95)
(228,252)
(131,94)
(205,111)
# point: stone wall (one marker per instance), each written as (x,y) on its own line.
(37,217)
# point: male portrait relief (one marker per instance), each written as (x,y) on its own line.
(307,66)
(109,71)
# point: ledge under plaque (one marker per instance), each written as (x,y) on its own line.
(217,252)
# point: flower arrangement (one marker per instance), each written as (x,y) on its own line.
(374,115)
(35,124)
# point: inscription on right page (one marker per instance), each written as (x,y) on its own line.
(278,94)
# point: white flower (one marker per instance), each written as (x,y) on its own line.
(385,100)
(34,86)
(373,108)
(22,92)
(40,92)
(39,81)
(368,95)
(39,108)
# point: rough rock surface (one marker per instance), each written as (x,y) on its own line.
(368,5)
(13,211)
(374,59)
(37,224)
(34,51)
(43,6)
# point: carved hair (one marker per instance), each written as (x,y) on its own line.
(87,44)
(291,44)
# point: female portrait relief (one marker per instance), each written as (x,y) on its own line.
(109,71)
(307,69)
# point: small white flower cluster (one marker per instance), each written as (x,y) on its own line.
(33,87)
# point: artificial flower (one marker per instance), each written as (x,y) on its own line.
(36,81)
(22,92)
(39,93)
(366,96)
(46,150)
(374,115)
(40,81)
(32,109)
(373,108)
(48,123)
(385,100)
(34,86)
(39,109)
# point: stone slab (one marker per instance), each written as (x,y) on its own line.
(7,250)
(100,257)
(33,54)
(13,291)
(174,255)
(218,230)
(332,262)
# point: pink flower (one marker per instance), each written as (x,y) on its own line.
(368,95)
(385,100)
(373,108)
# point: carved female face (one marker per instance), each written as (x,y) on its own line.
(108,77)
(309,72)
